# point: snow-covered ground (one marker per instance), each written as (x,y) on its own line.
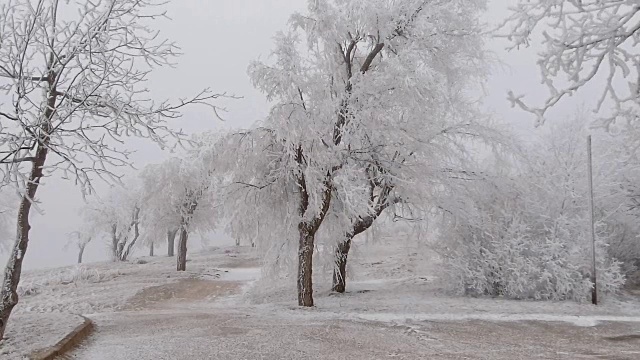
(395,281)
(50,299)
(394,307)
(27,333)
(102,287)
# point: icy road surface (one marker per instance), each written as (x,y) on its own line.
(244,335)
(204,319)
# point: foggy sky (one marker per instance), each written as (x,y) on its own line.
(219,38)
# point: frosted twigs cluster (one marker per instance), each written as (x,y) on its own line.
(585,41)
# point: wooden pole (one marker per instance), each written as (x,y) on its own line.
(594,291)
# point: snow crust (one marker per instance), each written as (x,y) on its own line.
(222,307)
(27,333)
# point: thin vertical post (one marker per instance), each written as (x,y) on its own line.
(594,291)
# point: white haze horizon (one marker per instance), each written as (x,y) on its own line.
(219,39)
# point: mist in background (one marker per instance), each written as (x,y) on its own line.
(219,39)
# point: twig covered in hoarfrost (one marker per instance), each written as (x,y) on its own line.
(585,41)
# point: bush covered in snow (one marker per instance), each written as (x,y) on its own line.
(518,254)
(526,234)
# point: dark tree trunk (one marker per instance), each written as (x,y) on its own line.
(123,255)
(171,242)
(80,252)
(13,270)
(342,251)
(126,253)
(182,249)
(136,235)
(151,250)
(305,267)
(307,230)
(14,266)
(114,242)
(340,270)
(358,227)
(189,207)
(120,250)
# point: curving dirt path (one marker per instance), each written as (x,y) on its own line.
(187,320)
(184,291)
(246,335)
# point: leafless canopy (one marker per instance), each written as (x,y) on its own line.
(583,40)
(72,81)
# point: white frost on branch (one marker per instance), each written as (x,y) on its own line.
(585,41)
(75,75)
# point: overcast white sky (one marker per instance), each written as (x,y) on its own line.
(219,38)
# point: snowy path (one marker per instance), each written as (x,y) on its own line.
(196,326)
(230,335)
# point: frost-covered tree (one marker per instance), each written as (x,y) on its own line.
(75,73)
(179,197)
(161,216)
(125,208)
(115,217)
(584,42)
(367,95)
(81,240)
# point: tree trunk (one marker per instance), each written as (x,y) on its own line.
(151,250)
(9,293)
(307,230)
(14,265)
(114,242)
(305,267)
(190,207)
(80,252)
(171,242)
(182,249)
(120,250)
(135,222)
(340,270)
(342,252)
(126,253)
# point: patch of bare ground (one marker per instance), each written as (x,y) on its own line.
(239,263)
(187,290)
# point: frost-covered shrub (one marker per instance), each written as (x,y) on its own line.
(515,259)
(526,234)
(78,274)
(64,277)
